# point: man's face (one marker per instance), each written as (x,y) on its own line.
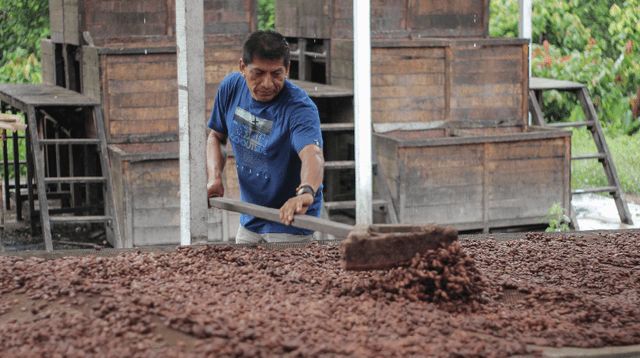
(265,78)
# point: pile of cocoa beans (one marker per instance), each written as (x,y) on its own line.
(476,298)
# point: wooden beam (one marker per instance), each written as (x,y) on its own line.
(192,118)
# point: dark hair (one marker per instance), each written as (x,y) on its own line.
(268,45)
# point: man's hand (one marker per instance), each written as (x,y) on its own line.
(216,159)
(295,206)
(214,189)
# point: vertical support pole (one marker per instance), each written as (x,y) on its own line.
(16,174)
(5,170)
(192,119)
(42,191)
(524,26)
(362,100)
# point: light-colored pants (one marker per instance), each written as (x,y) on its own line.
(245,236)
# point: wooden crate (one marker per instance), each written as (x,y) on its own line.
(389,18)
(147,180)
(138,87)
(477,179)
(464,82)
(143,21)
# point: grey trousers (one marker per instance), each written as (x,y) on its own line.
(245,236)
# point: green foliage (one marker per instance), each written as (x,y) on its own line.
(21,70)
(22,24)
(564,48)
(266,15)
(557,219)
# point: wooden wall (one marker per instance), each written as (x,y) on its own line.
(143,21)
(389,18)
(467,83)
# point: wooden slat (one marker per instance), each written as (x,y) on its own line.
(74,180)
(80,219)
(351,204)
(604,189)
(572,124)
(589,156)
(339,165)
(336,127)
(70,141)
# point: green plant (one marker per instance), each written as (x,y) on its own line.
(590,42)
(557,219)
(22,24)
(266,15)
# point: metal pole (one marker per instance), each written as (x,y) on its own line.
(525,27)
(192,118)
(362,101)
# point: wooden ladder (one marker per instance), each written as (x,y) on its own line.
(382,197)
(593,124)
(45,181)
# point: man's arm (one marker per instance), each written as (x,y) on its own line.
(311,173)
(216,159)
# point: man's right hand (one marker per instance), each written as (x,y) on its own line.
(214,189)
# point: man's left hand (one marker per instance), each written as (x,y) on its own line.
(294,206)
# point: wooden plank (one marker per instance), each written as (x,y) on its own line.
(38,164)
(425,176)
(532,149)
(407,116)
(91,73)
(447,84)
(143,113)
(443,195)
(301,221)
(434,79)
(488,77)
(444,157)
(416,92)
(487,51)
(418,66)
(519,208)
(488,114)
(407,104)
(486,90)
(47,61)
(167,54)
(56,20)
(142,71)
(71,26)
(483,65)
(405,53)
(449,214)
(143,86)
(142,127)
(482,102)
(143,100)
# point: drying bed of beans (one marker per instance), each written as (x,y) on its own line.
(477,298)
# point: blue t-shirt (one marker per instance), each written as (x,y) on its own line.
(266,139)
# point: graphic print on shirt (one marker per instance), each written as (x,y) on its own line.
(251,136)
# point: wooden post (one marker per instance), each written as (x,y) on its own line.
(192,120)
(362,101)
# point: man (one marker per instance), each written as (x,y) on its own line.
(274,130)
